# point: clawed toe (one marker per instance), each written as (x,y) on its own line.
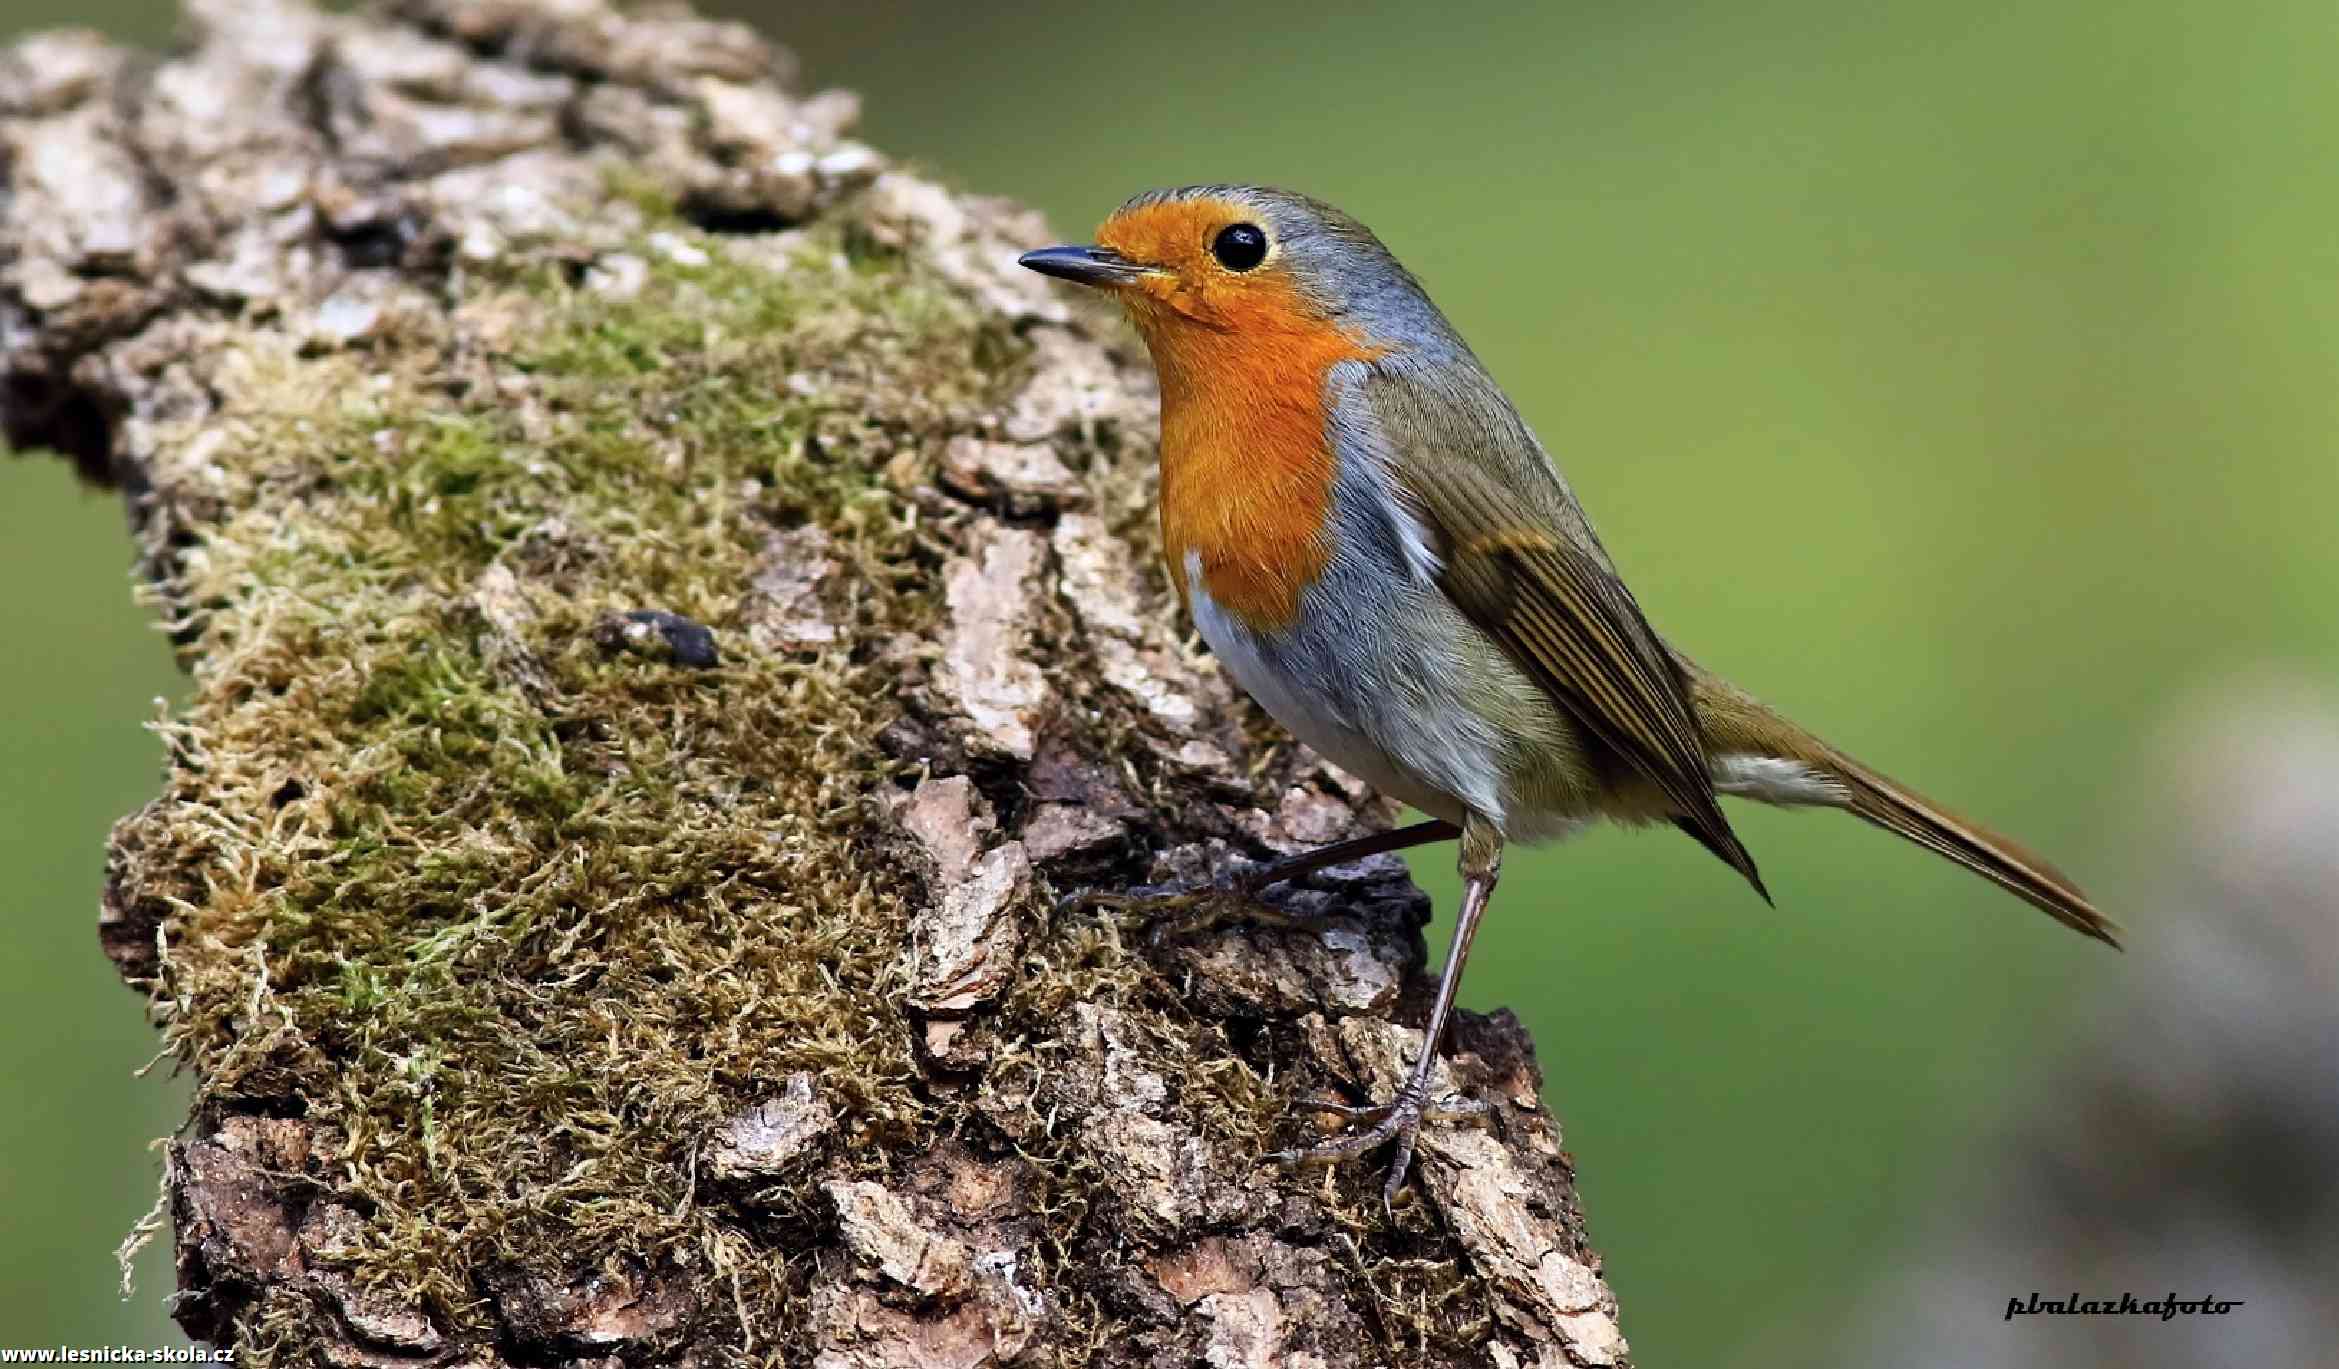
(1168,912)
(1398,1120)
(1452,1108)
(1148,900)
(1385,1122)
(1082,901)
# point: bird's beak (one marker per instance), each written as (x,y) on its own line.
(1097,266)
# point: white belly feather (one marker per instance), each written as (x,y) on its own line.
(1384,721)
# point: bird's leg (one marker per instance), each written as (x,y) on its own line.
(1400,1118)
(1195,907)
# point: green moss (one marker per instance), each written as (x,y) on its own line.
(627,183)
(474,889)
(518,921)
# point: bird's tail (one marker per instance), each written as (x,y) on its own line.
(1758,754)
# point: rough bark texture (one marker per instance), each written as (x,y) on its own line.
(669,607)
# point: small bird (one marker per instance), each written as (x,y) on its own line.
(1379,550)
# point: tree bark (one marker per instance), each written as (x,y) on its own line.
(670,610)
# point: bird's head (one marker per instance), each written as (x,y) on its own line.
(1212,271)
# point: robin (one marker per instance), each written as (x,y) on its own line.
(1380,551)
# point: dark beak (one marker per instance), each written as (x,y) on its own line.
(1100,266)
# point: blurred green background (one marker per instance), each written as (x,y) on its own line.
(1958,377)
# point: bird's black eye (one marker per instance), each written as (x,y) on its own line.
(1239,246)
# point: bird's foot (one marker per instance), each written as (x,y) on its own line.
(1170,911)
(1399,1120)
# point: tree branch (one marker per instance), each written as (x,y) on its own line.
(670,607)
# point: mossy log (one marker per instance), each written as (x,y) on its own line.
(670,607)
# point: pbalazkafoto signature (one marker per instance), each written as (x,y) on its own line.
(2125,1305)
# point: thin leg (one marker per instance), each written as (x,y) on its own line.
(1400,1119)
(1341,852)
(1160,903)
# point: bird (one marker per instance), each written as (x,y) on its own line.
(1379,550)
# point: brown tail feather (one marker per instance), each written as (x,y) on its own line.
(1738,725)
(2001,860)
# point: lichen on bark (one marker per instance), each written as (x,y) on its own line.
(670,607)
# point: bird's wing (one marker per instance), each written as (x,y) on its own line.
(1519,560)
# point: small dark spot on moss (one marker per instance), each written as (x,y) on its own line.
(371,243)
(657,633)
(719,218)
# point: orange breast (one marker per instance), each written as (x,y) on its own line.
(1246,464)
